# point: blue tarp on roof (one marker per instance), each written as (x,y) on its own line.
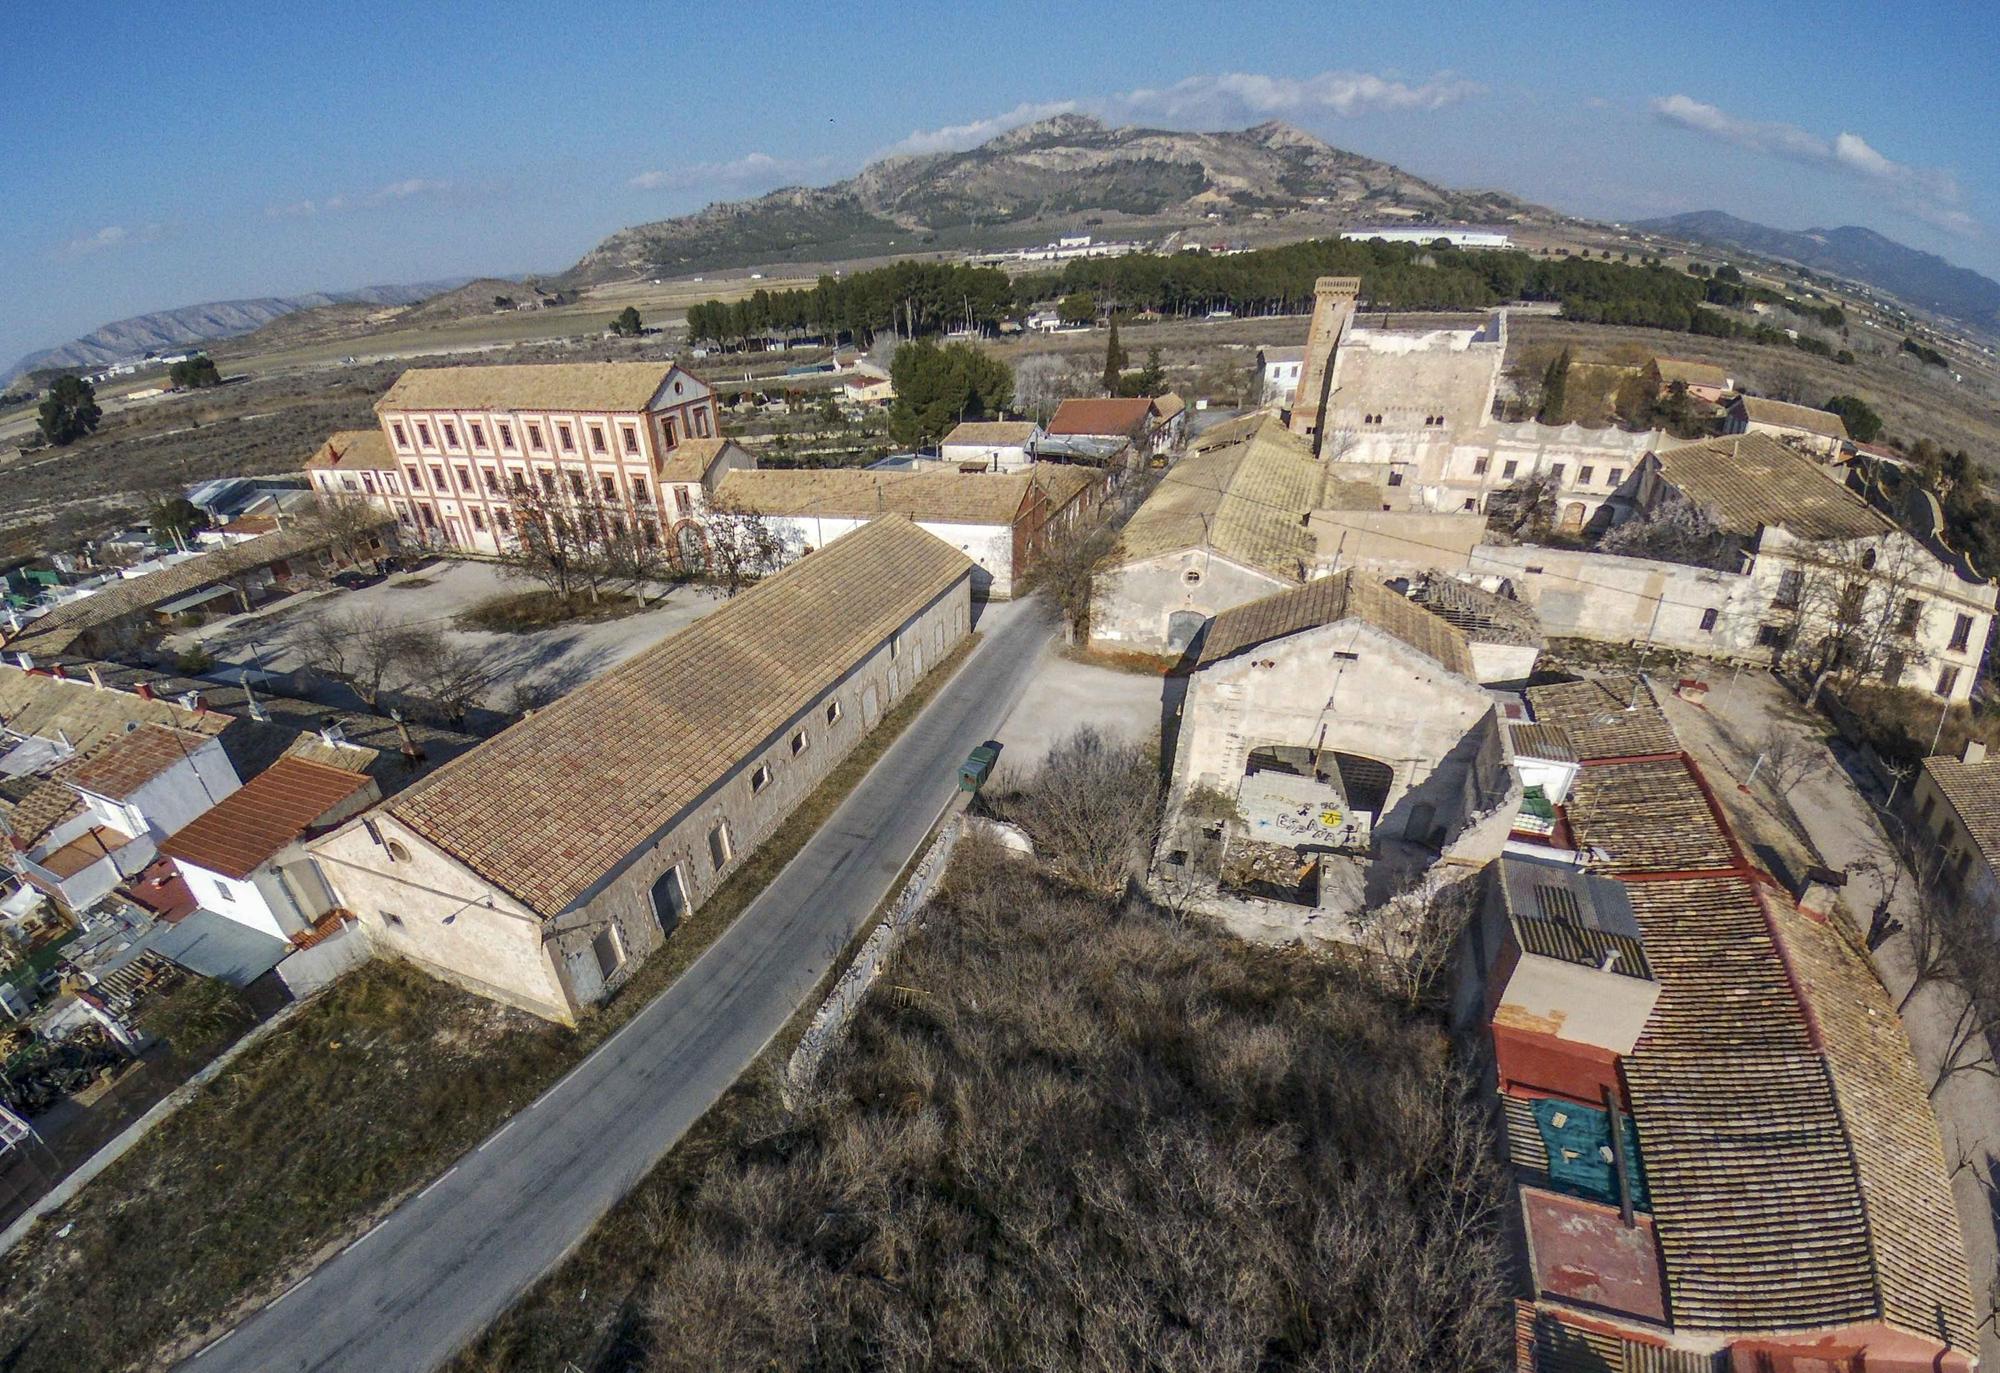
(1580,1156)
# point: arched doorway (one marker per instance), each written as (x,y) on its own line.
(1182,626)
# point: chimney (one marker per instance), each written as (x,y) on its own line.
(191,700)
(144,690)
(1975,751)
(1818,890)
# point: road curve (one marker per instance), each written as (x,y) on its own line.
(449,1260)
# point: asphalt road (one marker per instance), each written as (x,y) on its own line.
(409,1293)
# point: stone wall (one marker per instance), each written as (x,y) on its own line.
(1133,605)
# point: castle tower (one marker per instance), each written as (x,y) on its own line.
(1333,306)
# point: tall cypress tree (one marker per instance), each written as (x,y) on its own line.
(1555,389)
(1114,359)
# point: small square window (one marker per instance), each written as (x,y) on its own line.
(760,777)
(1708,619)
(832,712)
(799,742)
(392,920)
(1584,475)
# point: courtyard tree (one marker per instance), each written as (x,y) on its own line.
(1863,424)
(561,542)
(69,411)
(740,548)
(349,522)
(368,650)
(937,387)
(1555,390)
(1854,608)
(1093,809)
(1525,508)
(448,674)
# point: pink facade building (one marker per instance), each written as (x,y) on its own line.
(458,447)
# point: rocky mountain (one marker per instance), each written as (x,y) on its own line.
(1923,279)
(172,330)
(1061,167)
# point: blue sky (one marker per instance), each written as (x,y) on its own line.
(163,157)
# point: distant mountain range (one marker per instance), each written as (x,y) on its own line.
(1922,279)
(170,330)
(1053,169)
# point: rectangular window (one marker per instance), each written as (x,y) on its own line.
(610,950)
(1507,469)
(504,520)
(631,437)
(478,432)
(1947,681)
(506,432)
(1556,472)
(392,920)
(701,423)
(464,478)
(1395,478)
(683,502)
(1770,636)
(416,479)
(597,439)
(833,712)
(535,439)
(402,439)
(639,490)
(799,742)
(1791,589)
(1584,474)
(610,485)
(429,516)
(492,480)
(1912,613)
(565,438)
(450,432)
(478,519)
(423,434)
(760,777)
(437,477)
(1961,633)
(1617,475)
(719,847)
(1924,811)
(1893,666)
(1479,466)
(667,431)
(548,481)
(1707,620)
(576,485)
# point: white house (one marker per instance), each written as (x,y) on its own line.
(1279,370)
(992,445)
(245,858)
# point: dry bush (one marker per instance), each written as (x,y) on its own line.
(1074,1133)
(1092,808)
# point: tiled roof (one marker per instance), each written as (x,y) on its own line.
(34,703)
(990,434)
(1290,352)
(125,762)
(1127,416)
(1342,596)
(1759,1214)
(1559,911)
(257,820)
(550,806)
(61,627)
(992,498)
(354,450)
(1168,405)
(1548,742)
(1759,410)
(614,387)
(48,802)
(1648,815)
(689,460)
(87,849)
(1605,717)
(1245,495)
(1919,1256)
(1689,372)
(1973,789)
(1751,481)
(1484,617)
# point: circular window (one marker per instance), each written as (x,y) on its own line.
(398,852)
(1192,577)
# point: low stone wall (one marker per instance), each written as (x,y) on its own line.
(835,1013)
(310,970)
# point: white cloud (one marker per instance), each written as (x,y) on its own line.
(1216,98)
(955,137)
(1236,95)
(752,171)
(395,191)
(109,237)
(1929,193)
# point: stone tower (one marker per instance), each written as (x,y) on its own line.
(1333,306)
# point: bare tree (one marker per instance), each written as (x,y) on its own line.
(1525,508)
(449,675)
(563,542)
(1092,809)
(1675,531)
(351,523)
(366,649)
(1790,759)
(1042,381)
(740,547)
(1414,934)
(1854,608)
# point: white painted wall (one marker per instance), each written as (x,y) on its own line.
(990,546)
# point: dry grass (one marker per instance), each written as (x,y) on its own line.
(305,1140)
(529,612)
(1065,1132)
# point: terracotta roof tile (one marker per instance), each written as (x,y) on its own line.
(1244,492)
(1648,815)
(1759,410)
(1605,717)
(1751,481)
(990,434)
(1973,789)
(550,806)
(125,762)
(1128,417)
(354,450)
(257,820)
(689,460)
(1342,596)
(614,387)
(941,497)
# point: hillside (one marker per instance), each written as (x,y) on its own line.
(1922,279)
(165,330)
(1058,168)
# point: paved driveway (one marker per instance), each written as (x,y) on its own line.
(444,1264)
